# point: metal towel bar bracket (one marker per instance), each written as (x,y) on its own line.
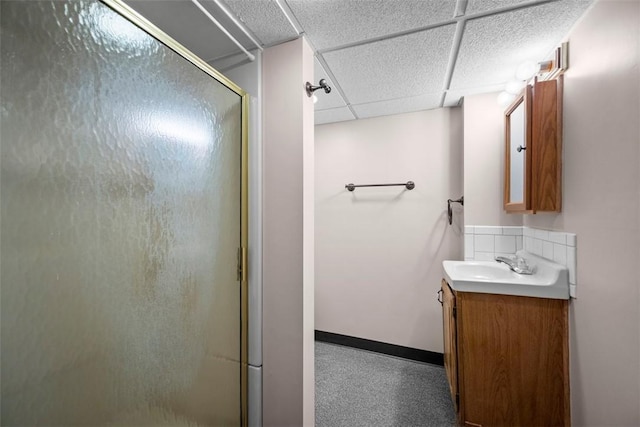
(450,211)
(409,184)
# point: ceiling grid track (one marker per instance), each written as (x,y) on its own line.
(223,29)
(447,44)
(238,23)
(453,57)
(336,85)
(389,36)
(291,17)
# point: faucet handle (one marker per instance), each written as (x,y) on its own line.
(521,263)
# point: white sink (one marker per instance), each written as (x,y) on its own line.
(549,280)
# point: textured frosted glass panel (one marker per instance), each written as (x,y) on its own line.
(120,220)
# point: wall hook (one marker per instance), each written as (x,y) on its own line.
(322,84)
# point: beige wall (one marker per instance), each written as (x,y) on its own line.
(288,379)
(379,251)
(601,203)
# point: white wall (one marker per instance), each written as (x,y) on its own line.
(288,377)
(484,162)
(601,204)
(379,251)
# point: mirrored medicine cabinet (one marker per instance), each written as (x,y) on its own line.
(533,149)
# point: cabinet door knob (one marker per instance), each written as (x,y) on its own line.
(440,296)
(520,148)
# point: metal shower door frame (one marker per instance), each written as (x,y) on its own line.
(134,17)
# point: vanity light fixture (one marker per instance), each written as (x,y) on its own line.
(545,70)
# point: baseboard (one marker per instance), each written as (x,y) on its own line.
(382,347)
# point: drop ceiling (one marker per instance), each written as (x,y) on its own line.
(381,57)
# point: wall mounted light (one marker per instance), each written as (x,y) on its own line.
(545,70)
(322,84)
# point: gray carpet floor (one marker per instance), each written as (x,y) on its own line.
(361,388)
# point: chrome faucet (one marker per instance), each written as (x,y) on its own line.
(517,264)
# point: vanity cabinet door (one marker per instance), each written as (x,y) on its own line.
(513,360)
(546,141)
(450,341)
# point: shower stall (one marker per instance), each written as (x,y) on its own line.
(123,194)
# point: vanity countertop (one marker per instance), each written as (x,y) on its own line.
(549,280)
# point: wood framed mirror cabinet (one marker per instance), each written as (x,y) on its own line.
(533,149)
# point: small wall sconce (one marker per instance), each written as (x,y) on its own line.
(322,84)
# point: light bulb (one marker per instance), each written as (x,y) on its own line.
(526,70)
(505,99)
(514,87)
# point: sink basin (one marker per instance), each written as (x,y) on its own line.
(550,280)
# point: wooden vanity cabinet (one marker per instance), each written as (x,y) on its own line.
(507,359)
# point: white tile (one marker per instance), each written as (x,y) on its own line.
(469,229)
(527,231)
(572,264)
(512,231)
(547,250)
(558,237)
(541,234)
(560,253)
(469,258)
(573,291)
(488,230)
(537,247)
(572,239)
(483,243)
(528,244)
(468,245)
(519,243)
(504,254)
(485,256)
(505,244)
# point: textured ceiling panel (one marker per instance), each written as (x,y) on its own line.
(453,97)
(173,16)
(264,18)
(398,106)
(403,66)
(477,6)
(334,115)
(493,47)
(332,23)
(332,99)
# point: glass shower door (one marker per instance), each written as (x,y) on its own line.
(121,218)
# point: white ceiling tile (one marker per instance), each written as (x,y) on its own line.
(174,16)
(398,106)
(332,23)
(265,19)
(326,100)
(453,97)
(333,115)
(494,46)
(477,6)
(403,66)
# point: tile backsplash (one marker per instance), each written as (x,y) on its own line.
(484,243)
